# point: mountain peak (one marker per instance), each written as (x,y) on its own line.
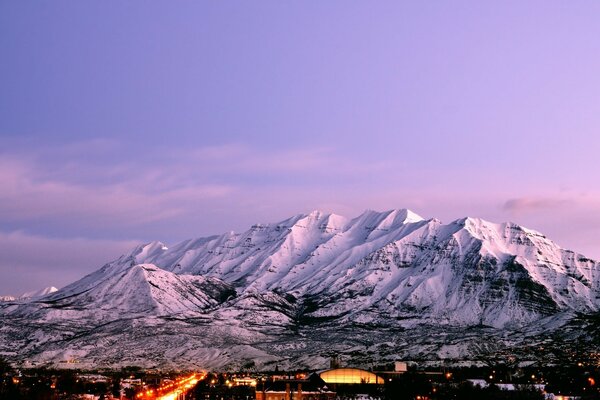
(39,293)
(147,250)
(408,215)
(390,218)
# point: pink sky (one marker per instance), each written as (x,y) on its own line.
(133,122)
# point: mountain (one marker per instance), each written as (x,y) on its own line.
(381,286)
(39,293)
(30,295)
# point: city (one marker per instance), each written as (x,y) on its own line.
(400,380)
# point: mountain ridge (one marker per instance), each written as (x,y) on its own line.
(296,280)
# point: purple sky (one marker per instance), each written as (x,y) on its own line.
(123,122)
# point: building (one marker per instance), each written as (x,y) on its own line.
(312,388)
(400,366)
(244,381)
(350,376)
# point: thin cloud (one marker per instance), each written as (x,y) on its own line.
(28,194)
(141,191)
(184,193)
(526,204)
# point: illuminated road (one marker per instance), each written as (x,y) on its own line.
(171,391)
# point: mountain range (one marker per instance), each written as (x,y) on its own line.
(380,287)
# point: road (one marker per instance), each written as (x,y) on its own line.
(171,391)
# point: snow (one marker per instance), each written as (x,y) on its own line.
(392,269)
(38,293)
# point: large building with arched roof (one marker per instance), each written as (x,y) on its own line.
(350,376)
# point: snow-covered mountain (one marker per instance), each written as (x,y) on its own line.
(39,293)
(295,291)
(30,295)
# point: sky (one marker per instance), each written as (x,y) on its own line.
(126,122)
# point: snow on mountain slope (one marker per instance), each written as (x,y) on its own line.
(261,256)
(282,287)
(39,293)
(265,255)
(139,290)
(467,272)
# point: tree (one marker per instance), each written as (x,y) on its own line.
(8,389)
